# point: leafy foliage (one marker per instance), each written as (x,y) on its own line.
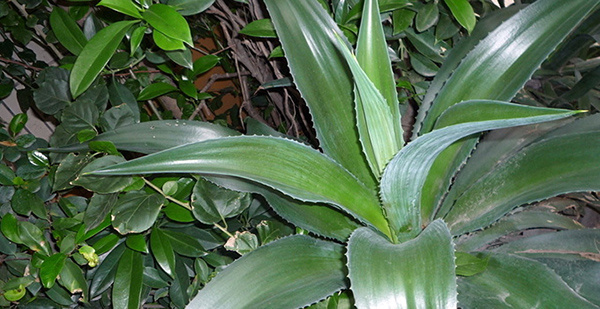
(133,202)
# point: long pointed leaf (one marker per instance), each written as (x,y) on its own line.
(307,32)
(376,127)
(402,181)
(95,55)
(152,136)
(373,57)
(416,274)
(546,168)
(502,62)
(289,273)
(292,168)
(514,282)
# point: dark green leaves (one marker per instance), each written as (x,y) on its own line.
(212,204)
(51,268)
(169,23)
(162,251)
(262,28)
(127,288)
(136,211)
(95,56)
(122,6)
(463,12)
(67,31)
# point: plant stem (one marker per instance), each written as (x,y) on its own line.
(172,199)
(224,230)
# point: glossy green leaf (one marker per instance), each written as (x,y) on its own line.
(182,57)
(106,243)
(463,12)
(119,94)
(126,7)
(534,31)
(24,202)
(190,7)
(102,185)
(403,179)
(17,123)
(178,290)
(6,175)
(165,19)
(292,272)
(262,28)
(127,288)
(290,171)
(51,268)
(33,237)
(137,35)
(137,242)
(95,56)
(67,31)
(153,136)
(212,204)
(71,277)
(205,63)
(469,265)
(513,223)
(427,16)
(242,242)
(10,229)
(136,211)
(426,44)
(166,43)
(402,19)
(162,250)
(416,274)
(334,122)
(378,130)
(514,282)
(184,244)
(104,275)
(52,95)
(550,166)
(357,7)
(155,90)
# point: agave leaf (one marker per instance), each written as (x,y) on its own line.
(153,136)
(561,162)
(289,273)
(320,219)
(292,168)
(507,57)
(514,282)
(582,276)
(376,127)
(306,33)
(416,274)
(513,223)
(373,57)
(403,178)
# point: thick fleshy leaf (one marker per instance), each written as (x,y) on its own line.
(494,69)
(67,31)
(416,274)
(403,179)
(582,276)
(127,288)
(306,32)
(514,282)
(102,185)
(292,167)
(153,136)
(95,56)
(554,164)
(513,223)
(377,130)
(136,211)
(320,219)
(289,273)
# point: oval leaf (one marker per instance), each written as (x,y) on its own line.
(165,19)
(67,31)
(136,211)
(127,288)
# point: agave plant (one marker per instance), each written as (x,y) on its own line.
(400,224)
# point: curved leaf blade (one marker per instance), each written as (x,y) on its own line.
(154,136)
(127,288)
(167,21)
(95,56)
(162,250)
(463,12)
(125,7)
(155,90)
(289,273)
(292,170)
(67,31)
(136,211)
(514,282)
(494,69)
(403,178)
(416,274)
(306,32)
